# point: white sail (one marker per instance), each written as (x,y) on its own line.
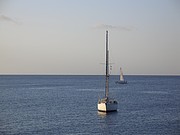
(121,78)
(121,75)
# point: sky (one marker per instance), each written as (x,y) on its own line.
(67,37)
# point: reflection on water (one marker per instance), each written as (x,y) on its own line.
(102,114)
(108,122)
(105,114)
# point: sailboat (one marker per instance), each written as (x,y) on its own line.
(121,78)
(107,104)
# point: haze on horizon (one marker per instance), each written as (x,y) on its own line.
(68,37)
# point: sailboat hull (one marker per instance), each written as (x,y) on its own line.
(106,104)
(121,82)
(107,107)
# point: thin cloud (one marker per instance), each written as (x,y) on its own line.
(7,19)
(106,26)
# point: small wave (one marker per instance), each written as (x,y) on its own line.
(90,90)
(155,92)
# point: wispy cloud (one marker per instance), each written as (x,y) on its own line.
(8,19)
(118,27)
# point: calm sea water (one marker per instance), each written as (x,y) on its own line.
(45,105)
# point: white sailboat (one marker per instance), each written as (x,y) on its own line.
(107,104)
(121,78)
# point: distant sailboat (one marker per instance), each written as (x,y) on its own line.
(121,78)
(106,104)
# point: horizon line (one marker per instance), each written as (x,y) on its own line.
(55,74)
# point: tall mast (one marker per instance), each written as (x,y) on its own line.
(107,67)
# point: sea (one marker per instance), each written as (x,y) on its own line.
(67,105)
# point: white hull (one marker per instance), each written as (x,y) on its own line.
(107,107)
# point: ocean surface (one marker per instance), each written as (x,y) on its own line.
(67,105)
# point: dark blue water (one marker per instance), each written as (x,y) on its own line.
(45,105)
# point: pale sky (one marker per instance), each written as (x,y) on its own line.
(68,36)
